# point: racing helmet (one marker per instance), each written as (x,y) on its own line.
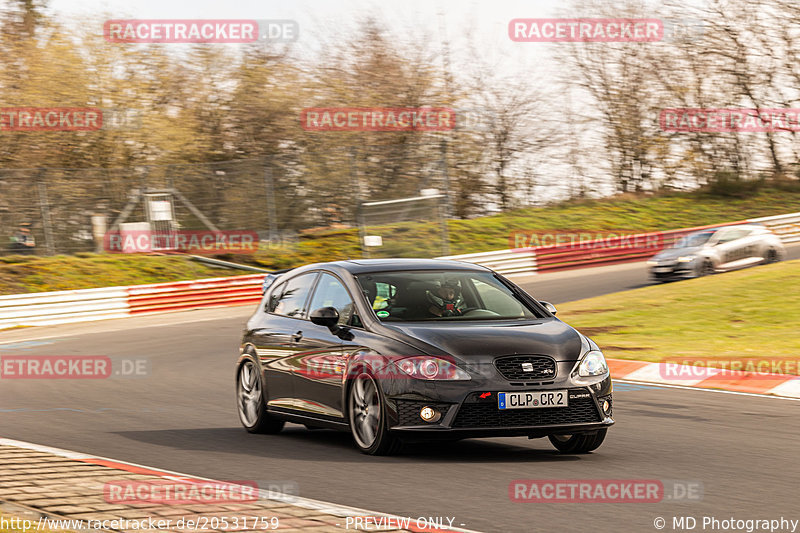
(447,297)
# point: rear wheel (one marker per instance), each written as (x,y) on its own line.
(578,443)
(367,410)
(250,401)
(772,256)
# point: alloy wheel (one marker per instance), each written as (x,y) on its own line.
(365,410)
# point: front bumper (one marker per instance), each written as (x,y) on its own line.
(474,412)
(673,271)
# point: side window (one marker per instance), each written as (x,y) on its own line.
(732,234)
(331,293)
(290,298)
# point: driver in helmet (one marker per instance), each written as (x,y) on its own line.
(446,299)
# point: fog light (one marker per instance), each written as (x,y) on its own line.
(606,406)
(429,414)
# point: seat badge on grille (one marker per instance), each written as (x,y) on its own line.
(527,367)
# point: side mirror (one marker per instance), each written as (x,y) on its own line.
(550,307)
(326,316)
(267,283)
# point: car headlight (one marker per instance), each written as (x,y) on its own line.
(686,258)
(593,364)
(431,368)
(652,262)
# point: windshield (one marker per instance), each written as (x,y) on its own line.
(693,239)
(442,295)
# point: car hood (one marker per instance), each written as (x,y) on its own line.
(674,253)
(548,336)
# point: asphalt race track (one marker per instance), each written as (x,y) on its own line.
(571,285)
(181,416)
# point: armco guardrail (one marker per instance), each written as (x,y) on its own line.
(506,262)
(612,251)
(44,308)
(787,227)
(47,308)
(181,295)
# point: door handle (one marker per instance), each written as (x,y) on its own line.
(297,336)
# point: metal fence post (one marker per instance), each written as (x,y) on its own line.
(447,206)
(360,222)
(44,206)
(271,211)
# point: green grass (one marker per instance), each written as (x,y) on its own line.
(748,315)
(22,274)
(631,213)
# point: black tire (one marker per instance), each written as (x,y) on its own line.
(772,256)
(578,443)
(366,408)
(707,268)
(250,400)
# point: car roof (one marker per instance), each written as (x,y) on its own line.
(358,266)
(362,266)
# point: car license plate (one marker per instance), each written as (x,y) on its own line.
(532,400)
(662,270)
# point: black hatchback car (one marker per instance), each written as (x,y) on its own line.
(412,349)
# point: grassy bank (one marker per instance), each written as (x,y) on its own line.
(628,213)
(637,214)
(21,274)
(749,315)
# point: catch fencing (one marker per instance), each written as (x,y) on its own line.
(48,211)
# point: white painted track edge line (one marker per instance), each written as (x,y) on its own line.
(703,389)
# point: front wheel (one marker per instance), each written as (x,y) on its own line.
(578,443)
(707,268)
(368,418)
(250,401)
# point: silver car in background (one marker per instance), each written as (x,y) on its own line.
(717,250)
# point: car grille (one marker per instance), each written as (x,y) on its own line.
(511,367)
(408,411)
(487,415)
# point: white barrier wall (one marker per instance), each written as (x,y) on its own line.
(43,308)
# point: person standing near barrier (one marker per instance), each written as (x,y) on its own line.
(22,242)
